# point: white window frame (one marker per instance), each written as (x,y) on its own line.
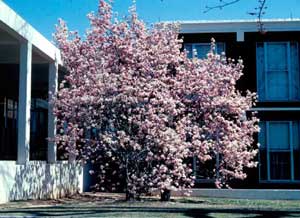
(203,44)
(266,70)
(267,149)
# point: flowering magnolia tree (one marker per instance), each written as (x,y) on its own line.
(133,104)
(218,126)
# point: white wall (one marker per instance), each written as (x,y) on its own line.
(39,180)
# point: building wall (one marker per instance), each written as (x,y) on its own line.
(272,109)
(39,180)
(36,178)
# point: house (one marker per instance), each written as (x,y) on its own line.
(29,69)
(271,60)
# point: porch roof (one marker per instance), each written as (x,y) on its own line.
(20,30)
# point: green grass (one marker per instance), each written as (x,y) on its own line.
(114,206)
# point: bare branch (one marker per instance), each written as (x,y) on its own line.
(221,5)
(259,12)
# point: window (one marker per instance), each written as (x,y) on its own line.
(39,112)
(38,129)
(279,151)
(204,172)
(278,71)
(9,111)
(8,128)
(201,49)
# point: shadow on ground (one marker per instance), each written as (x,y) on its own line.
(113,205)
(123,211)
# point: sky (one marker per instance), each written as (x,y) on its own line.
(43,14)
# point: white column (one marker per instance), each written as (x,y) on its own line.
(53,80)
(24,102)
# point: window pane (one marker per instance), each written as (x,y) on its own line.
(189,49)
(202,50)
(277,56)
(297,164)
(274,71)
(39,112)
(280,167)
(278,82)
(38,130)
(8,129)
(263,164)
(296,151)
(205,170)
(220,47)
(279,135)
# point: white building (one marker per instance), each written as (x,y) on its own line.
(29,69)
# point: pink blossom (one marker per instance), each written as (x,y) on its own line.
(137,107)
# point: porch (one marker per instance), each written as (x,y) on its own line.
(29,70)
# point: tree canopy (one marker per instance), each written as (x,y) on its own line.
(137,107)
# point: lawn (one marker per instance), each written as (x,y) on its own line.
(110,205)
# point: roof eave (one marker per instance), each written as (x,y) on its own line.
(17,26)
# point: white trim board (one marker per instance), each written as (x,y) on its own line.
(275,109)
(267,194)
(238,26)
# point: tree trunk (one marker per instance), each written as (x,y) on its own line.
(129,196)
(165,195)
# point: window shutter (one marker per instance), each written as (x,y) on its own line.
(189,49)
(260,65)
(262,135)
(295,71)
(296,135)
(262,151)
